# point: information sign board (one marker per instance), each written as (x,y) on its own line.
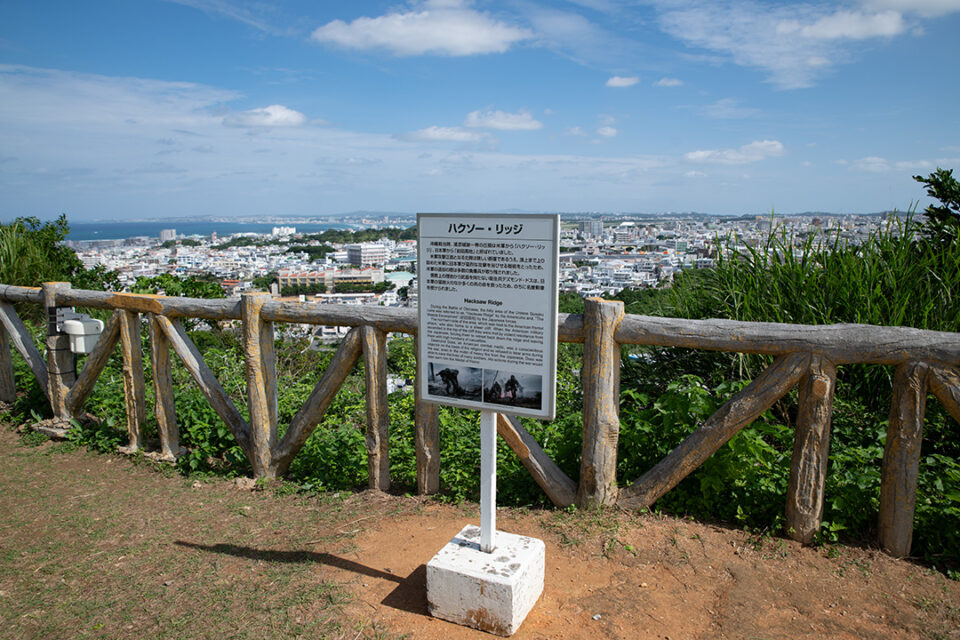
(487,288)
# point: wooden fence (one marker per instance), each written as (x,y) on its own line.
(804,356)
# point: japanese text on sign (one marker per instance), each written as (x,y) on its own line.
(483,264)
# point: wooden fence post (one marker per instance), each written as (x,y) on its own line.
(61,363)
(134,391)
(735,414)
(561,490)
(378,413)
(427,439)
(20,338)
(8,387)
(811,446)
(261,384)
(164,407)
(311,413)
(901,458)
(945,384)
(600,378)
(208,383)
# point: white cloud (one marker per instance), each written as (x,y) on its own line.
(753,152)
(875,164)
(276,115)
(853,25)
(572,35)
(247,15)
(728,109)
(620,81)
(445,134)
(442,27)
(792,43)
(913,165)
(668,82)
(607,132)
(695,174)
(926,8)
(872,164)
(576,131)
(502,121)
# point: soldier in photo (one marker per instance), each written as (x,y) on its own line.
(450,383)
(512,387)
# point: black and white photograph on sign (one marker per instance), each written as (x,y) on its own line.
(454,381)
(512,389)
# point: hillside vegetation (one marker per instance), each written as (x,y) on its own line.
(908,274)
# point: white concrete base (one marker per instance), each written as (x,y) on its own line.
(492,592)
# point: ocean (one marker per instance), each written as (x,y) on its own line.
(120,230)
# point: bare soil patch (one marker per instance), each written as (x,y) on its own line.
(96,546)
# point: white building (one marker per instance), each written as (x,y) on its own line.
(367,254)
(168,234)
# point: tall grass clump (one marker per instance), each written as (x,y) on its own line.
(894,278)
(900,275)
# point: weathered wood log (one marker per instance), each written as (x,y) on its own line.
(558,486)
(840,343)
(811,446)
(8,387)
(61,362)
(96,361)
(261,364)
(570,327)
(426,440)
(169,306)
(385,319)
(945,384)
(208,383)
(164,406)
(378,412)
(737,413)
(311,413)
(22,341)
(13,293)
(601,407)
(901,458)
(134,391)
(61,373)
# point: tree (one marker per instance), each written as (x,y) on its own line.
(303,289)
(170,285)
(32,252)
(263,282)
(942,223)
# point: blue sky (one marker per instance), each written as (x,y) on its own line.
(143,108)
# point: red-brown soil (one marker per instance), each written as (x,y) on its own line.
(98,546)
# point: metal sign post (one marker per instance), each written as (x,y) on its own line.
(488,481)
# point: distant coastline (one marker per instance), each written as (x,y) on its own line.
(204,226)
(80,231)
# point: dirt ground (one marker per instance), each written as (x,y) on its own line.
(103,546)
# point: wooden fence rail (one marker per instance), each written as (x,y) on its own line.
(805,356)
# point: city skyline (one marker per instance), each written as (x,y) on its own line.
(115,110)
